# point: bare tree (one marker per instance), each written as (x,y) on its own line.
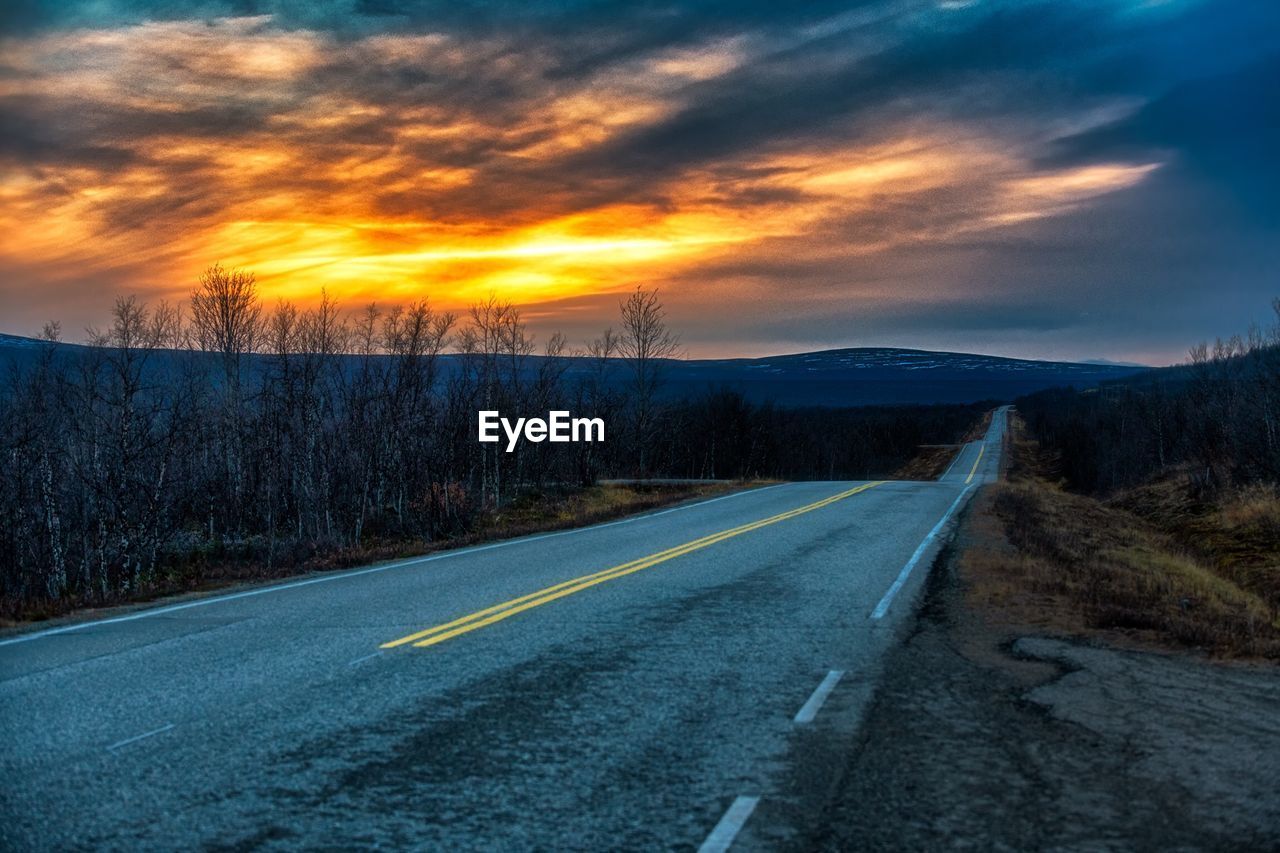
(496,338)
(645,343)
(227,316)
(133,431)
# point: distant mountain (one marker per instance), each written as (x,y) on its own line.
(842,377)
(1106,362)
(875,376)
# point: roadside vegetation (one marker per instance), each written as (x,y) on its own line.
(1148,509)
(932,460)
(228,561)
(1050,559)
(929,463)
(224,440)
(1215,421)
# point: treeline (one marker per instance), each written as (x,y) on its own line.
(722,435)
(268,437)
(1218,416)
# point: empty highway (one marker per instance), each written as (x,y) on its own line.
(684,678)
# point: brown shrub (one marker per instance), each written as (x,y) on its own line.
(1077,565)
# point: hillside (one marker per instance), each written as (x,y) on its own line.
(877,376)
(842,377)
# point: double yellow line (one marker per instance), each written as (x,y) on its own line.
(507,609)
(974,469)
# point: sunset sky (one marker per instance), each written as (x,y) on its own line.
(1054,180)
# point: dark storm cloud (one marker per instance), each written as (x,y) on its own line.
(1015,63)
(1223,129)
(625,28)
(36,143)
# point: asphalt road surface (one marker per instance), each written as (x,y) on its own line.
(681,679)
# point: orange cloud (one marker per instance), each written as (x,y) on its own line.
(318,162)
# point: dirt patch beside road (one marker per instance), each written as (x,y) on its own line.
(997,729)
(929,463)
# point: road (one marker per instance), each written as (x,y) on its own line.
(688,677)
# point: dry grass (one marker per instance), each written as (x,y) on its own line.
(931,460)
(1067,562)
(928,463)
(1237,534)
(534,512)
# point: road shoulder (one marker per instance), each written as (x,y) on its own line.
(988,732)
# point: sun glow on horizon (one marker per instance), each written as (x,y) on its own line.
(560,258)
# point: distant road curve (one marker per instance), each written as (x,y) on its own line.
(677,679)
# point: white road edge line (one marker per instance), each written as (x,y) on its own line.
(810,710)
(365,658)
(883,607)
(137,738)
(218,599)
(727,829)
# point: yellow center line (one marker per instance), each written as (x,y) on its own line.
(974,469)
(507,609)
